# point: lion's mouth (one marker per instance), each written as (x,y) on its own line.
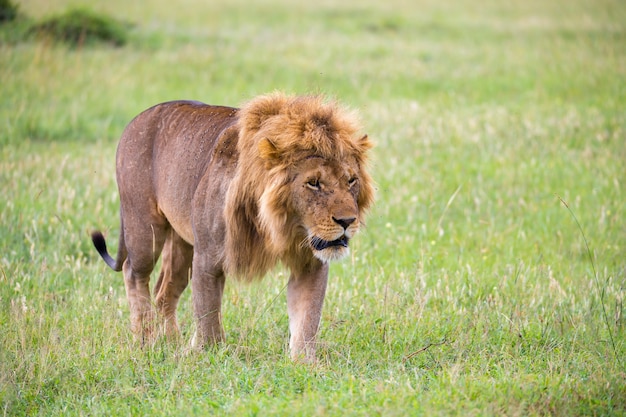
(321,244)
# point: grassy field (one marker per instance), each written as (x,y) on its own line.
(490,279)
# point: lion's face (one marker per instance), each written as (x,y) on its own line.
(324,197)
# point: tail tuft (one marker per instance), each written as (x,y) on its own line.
(100,243)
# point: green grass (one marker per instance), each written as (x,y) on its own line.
(470,292)
(80,28)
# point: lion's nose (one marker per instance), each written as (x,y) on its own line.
(344,222)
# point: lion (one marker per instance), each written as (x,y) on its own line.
(220,191)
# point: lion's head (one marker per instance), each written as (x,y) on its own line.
(301,189)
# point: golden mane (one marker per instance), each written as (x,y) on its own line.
(276,131)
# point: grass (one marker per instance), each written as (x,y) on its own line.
(472,290)
(79,28)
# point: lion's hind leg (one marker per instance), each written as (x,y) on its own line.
(144,248)
(173,279)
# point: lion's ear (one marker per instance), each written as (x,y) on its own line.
(267,150)
(365,143)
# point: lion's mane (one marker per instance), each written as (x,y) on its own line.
(262,228)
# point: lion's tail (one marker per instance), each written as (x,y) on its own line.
(100,243)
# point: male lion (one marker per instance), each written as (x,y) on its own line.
(223,191)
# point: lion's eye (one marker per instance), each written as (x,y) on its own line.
(313,184)
(352,181)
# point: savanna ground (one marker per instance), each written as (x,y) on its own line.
(490,279)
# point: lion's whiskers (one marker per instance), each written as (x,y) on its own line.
(307,242)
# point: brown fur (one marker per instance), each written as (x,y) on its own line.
(222,191)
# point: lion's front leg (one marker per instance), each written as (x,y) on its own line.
(207,285)
(305,298)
